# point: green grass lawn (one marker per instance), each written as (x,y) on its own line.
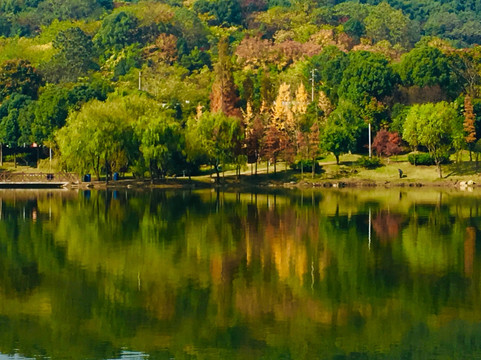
(347,170)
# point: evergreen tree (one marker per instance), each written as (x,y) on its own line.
(223,96)
(468,125)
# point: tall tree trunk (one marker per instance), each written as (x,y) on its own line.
(97,168)
(151,169)
(313,167)
(1,154)
(14,158)
(107,171)
(337,159)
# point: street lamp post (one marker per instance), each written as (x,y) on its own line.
(312,84)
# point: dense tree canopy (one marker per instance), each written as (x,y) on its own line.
(299,77)
(18,77)
(428,66)
(368,75)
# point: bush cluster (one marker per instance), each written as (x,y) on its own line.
(369,163)
(306,166)
(425,159)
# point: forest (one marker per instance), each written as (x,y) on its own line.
(162,88)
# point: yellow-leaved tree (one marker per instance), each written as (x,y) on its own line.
(299,109)
(281,125)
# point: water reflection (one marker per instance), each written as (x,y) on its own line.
(205,274)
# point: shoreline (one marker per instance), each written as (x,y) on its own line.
(233,183)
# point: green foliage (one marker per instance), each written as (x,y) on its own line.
(74,59)
(195,60)
(25,18)
(368,75)
(51,111)
(55,103)
(330,66)
(190,31)
(342,130)
(120,63)
(425,159)
(369,163)
(215,137)
(221,12)
(11,113)
(72,9)
(173,85)
(166,50)
(428,66)
(353,27)
(117,31)
(386,23)
(436,126)
(100,135)
(161,143)
(306,166)
(18,76)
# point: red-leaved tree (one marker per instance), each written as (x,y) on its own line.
(387,143)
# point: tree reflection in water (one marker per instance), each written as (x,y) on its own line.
(206,274)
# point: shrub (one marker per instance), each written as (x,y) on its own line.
(306,166)
(369,163)
(22,158)
(425,159)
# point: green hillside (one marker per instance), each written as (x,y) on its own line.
(163,87)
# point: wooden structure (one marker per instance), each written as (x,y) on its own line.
(36,180)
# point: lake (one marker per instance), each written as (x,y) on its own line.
(327,274)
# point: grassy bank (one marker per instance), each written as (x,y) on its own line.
(348,172)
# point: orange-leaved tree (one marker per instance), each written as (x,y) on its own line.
(468,125)
(224,95)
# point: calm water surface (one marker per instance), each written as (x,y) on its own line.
(346,274)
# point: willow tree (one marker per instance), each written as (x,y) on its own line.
(215,138)
(94,138)
(161,142)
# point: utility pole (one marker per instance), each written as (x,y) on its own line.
(312,84)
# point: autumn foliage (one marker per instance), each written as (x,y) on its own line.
(469,119)
(387,143)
